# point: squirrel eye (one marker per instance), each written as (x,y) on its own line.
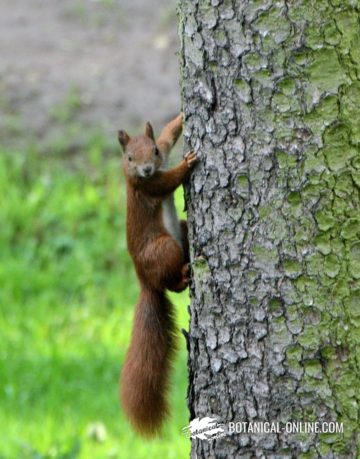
(156,152)
(129,158)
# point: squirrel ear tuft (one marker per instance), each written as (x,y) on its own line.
(123,138)
(149,131)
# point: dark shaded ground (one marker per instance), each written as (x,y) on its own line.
(106,63)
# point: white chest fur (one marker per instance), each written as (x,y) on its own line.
(170,218)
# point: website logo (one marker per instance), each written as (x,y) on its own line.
(205,429)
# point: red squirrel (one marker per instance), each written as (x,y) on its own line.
(158,245)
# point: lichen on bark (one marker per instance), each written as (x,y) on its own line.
(271,100)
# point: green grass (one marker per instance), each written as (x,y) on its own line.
(67,295)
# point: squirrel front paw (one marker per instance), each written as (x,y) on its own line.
(191,158)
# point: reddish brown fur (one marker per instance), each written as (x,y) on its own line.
(160,263)
(169,135)
(145,373)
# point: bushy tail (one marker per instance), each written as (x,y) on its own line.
(145,374)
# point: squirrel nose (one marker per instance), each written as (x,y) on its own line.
(147,170)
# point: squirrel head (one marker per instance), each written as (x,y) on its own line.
(142,157)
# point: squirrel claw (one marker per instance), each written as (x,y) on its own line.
(184,281)
(191,158)
(186,271)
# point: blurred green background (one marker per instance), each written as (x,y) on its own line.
(67,284)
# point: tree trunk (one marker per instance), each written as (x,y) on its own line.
(271,100)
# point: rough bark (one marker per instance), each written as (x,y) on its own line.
(271,99)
